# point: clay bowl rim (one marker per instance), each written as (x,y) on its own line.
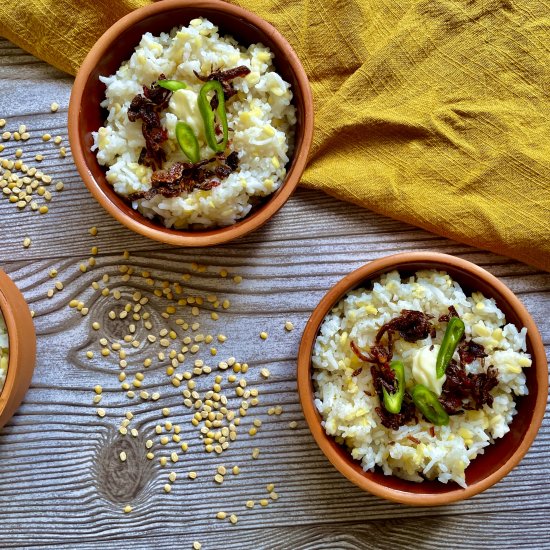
(22,347)
(327,444)
(107,197)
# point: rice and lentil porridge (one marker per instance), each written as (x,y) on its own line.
(438,424)
(4,351)
(258,127)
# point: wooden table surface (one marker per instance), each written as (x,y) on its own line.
(62,483)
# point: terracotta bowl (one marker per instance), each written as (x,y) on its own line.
(117,45)
(22,342)
(498,458)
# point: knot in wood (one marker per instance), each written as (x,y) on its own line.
(122,481)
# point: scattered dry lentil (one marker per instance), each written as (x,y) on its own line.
(210,408)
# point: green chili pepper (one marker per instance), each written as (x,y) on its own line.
(427,403)
(393,401)
(209,115)
(172,85)
(453,334)
(187,140)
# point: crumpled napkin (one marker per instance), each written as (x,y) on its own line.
(434,112)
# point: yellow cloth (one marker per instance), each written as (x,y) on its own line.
(435,112)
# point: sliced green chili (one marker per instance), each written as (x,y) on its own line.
(209,115)
(172,85)
(453,334)
(187,140)
(393,401)
(427,403)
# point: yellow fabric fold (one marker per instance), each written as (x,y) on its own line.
(434,112)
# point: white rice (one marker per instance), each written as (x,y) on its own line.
(349,414)
(4,351)
(260,117)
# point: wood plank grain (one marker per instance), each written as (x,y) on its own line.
(528,531)
(59,405)
(63,483)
